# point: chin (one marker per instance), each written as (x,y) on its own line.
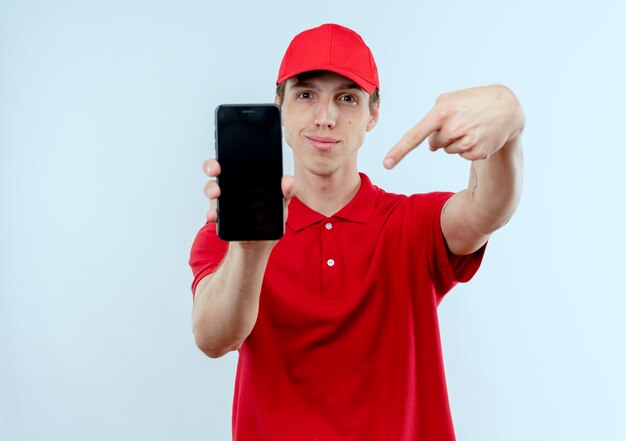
(322,169)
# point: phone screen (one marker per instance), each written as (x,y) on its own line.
(249,150)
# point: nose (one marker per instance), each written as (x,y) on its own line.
(324,116)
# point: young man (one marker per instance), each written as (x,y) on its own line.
(336,323)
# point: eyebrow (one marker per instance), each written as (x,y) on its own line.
(306,85)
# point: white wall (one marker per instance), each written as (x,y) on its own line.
(106,114)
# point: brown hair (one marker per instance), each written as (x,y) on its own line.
(280,89)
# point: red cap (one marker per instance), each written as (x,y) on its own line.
(334,48)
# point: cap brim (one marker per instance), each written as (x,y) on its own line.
(362,83)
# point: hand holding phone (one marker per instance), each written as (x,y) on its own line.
(211,168)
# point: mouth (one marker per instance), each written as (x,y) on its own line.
(322,143)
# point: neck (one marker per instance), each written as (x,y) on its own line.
(327,194)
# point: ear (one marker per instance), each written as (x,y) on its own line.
(277,102)
(373,117)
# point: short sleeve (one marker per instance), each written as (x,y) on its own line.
(446,269)
(207,252)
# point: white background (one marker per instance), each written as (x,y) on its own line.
(106,114)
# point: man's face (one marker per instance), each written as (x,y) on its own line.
(325,118)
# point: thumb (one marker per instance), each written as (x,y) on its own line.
(287,186)
(288,192)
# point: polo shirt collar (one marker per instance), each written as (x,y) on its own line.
(359,209)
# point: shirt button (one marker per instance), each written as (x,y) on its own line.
(329,226)
(330,262)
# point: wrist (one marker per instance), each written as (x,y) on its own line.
(253,248)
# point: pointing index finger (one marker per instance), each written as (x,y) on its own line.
(414,137)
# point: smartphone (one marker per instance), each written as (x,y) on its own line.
(248,145)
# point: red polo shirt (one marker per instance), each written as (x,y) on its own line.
(346,345)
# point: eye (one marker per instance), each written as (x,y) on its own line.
(347,98)
(304,95)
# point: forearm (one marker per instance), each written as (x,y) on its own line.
(226,304)
(495,188)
